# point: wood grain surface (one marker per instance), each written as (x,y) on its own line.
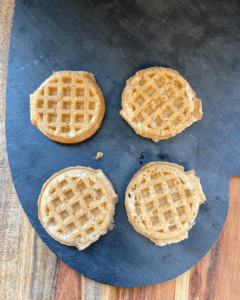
(29,270)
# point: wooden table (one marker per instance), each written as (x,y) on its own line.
(29,270)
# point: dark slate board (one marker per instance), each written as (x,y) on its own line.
(113,40)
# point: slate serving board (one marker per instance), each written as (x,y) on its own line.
(113,40)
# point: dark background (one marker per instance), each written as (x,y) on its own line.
(113,40)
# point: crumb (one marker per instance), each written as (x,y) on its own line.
(111,225)
(99,154)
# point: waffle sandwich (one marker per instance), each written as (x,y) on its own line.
(68,107)
(162,202)
(76,206)
(158,103)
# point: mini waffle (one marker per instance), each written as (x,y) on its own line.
(162,202)
(68,107)
(76,206)
(158,103)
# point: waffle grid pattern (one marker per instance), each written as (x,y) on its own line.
(76,208)
(66,105)
(160,101)
(164,204)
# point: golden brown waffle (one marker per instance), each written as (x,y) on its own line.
(76,206)
(158,103)
(68,107)
(162,202)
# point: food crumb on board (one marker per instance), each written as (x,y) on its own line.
(99,154)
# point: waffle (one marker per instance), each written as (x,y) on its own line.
(68,107)
(162,202)
(76,206)
(158,103)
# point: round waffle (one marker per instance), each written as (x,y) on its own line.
(76,206)
(158,103)
(68,107)
(162,202)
